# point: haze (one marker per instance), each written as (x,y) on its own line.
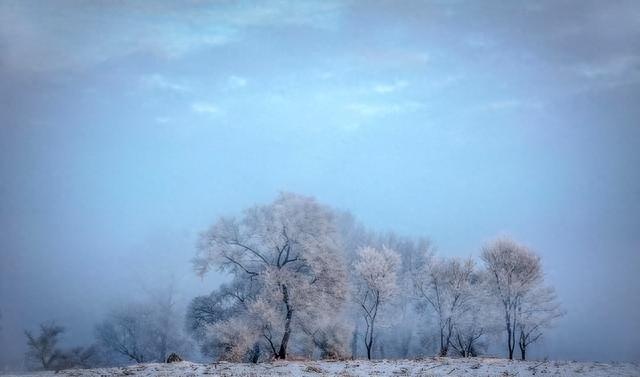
(126,128)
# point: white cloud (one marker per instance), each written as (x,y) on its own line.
(509,104)
(390,88)
(160,82)
(375,110)
(235,82)
(205,108)
(162,120)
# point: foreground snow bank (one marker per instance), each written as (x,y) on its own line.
(425,367)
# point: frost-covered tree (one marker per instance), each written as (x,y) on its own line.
(331,340)
(207,312)
(400,340)
(445,287)
(515,271)
(43,348)
(477,319)
(143,331)
(292,249)
(377,283)
(123,333)
(538,311)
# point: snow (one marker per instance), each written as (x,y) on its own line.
(422,367)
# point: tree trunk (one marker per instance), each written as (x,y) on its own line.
(444,347)
(282,353)
(369,342)
(523,346)
(510,333)
(510,342)
(255,354)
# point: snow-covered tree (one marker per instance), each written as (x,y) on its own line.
(478,319)
(515,271)
(292,249)
(229,300)
(538,311)
(377,283)
(143,331)
(123,333)
(444,286)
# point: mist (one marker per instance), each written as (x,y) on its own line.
(127,129)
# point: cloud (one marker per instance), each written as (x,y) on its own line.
(44,37)
(613,68)
(480,41)
(205,108)
(162,120)
(376,110)
(160,82)
(509,104)
(236,82)
(390,88)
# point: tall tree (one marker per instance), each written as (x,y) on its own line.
(444,286)
(514,272)
(377,275)
(292,249)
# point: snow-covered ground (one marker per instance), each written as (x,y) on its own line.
(425,367)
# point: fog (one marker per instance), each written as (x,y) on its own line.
(126,129)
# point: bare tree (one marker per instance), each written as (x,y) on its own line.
(77,357)
(292,249)
(143,331)
(538,311)
(123,332)
(377,272)
(43,348)
(444,286)
(515,271)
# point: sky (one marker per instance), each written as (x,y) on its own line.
(126,128)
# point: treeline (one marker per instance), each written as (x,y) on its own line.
(310,281)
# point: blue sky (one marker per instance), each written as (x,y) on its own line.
(127,127)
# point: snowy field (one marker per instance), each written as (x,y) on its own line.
(426,367)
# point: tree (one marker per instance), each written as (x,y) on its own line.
(143,331)
(45,353)
(206,312)
(123,333)
(164,325)
(377,272)
(291,249)
(514,272)
(477,319)
(77,357)
(444,286)
(538,310)
(43,348)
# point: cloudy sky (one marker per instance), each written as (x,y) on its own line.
(127,127)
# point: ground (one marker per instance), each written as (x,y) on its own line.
(425,367)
